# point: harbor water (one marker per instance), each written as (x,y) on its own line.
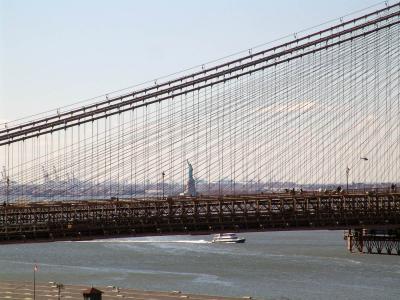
(270,265)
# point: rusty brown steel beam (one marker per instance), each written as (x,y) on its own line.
(84,218)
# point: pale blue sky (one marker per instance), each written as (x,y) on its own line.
(55,53)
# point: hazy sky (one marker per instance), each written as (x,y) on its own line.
(55,53)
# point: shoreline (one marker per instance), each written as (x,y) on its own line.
(24,290)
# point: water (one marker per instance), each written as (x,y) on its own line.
(273,265)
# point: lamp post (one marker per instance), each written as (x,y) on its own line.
(6,203)
(59,287)
(163,177)
(365,173)
(8,189)
(35,268)
(347,178)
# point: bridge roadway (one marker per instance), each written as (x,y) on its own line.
(56,220)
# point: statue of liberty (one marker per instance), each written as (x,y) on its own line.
(190,170)
(191,184)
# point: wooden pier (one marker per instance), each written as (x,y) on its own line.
(54,220)
(377,241)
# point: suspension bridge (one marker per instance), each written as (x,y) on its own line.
(303,134)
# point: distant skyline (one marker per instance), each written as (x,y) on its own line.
(54,54)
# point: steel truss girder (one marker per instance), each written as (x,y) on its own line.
(265,212)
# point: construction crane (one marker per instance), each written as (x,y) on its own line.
(46,175)
(56,176)
(4,174)
(6,179)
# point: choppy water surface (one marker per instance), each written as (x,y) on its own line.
(273,265)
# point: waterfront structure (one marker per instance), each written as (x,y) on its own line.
(376,240)
(92,294)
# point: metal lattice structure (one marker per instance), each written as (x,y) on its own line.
(76,220)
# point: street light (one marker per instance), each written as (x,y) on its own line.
(35,268)
(59,286)
(347,178)
(8,189)
(365,172)
(163,176)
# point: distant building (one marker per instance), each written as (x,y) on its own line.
(92,294)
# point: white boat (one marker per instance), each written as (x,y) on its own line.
(227,238)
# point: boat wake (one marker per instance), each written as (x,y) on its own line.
(147,241)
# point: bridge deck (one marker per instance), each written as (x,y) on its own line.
(85,219)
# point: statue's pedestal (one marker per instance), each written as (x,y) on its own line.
(190,188)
